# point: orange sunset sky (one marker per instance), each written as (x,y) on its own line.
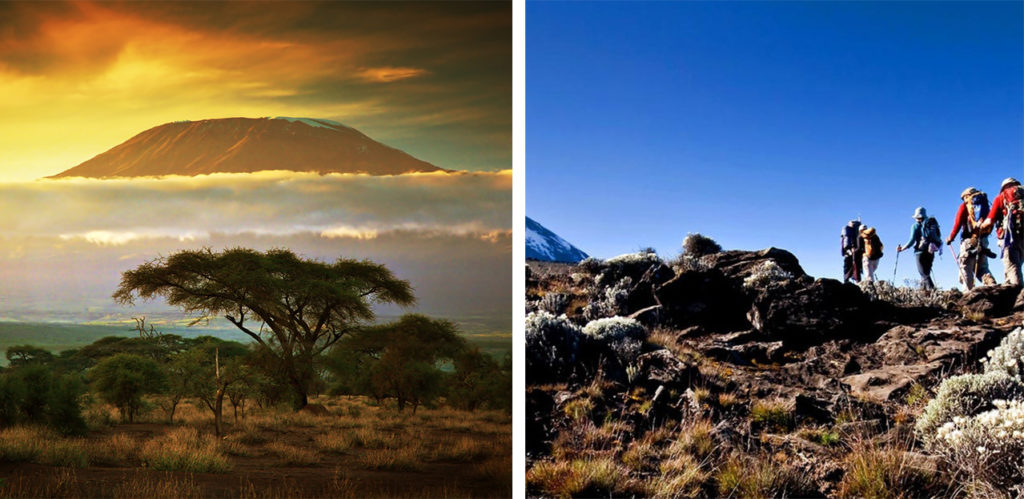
(76,79)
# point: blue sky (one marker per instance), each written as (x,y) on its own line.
(768,124)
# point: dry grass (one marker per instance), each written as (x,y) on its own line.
(406,459)
(39,445)
(581,477)
(118,449)
(291,455)
(694,438)
(184,449)
(873,471)
(334,442)
(762,476)
(773,415)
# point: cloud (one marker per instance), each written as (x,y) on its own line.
(389,74)
(64,243)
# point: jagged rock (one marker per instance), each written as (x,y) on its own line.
(890,383)
(705,298)
(824,310)
(738,265)
(650,316)
(1018,305)
(988,302)
(661,368)
(805,407)
(641,295)
(747,353)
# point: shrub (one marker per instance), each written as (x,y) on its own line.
(591,265)
(551,346)
(122,380)
(554,303)
(909,296)
(64,413)
(766,275)
(623,336)
(698,245)
(965,395)
(988,446)
(628,265)
(1008,357)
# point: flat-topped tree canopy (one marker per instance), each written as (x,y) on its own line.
(302,306)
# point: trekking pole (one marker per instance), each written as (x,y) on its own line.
(895,267)
(956,258)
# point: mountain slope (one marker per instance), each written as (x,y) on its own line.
(243,145)
(542,244)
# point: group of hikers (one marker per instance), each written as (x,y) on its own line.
(975,221)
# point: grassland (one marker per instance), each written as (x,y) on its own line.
(355,449)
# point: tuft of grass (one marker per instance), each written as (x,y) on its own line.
(681,476)
(774,415)
(694,438)
(728,400)
(823,437)
(291,455)
(463,450)
(118,449)
(334,442)
(391,460)
(184,449)
(591,478)
(762,476)
(873,471)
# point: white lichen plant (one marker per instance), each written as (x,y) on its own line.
(976,421)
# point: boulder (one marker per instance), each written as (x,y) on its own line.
(988,302)
(706,298)
(826,309)
(650,316)
(641,295)
(738,265)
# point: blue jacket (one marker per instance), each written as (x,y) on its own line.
(916,233)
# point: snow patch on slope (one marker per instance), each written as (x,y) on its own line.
(319,123)
(542,244)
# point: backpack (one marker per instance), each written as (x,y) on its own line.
(977,211)
(872,245)
(930,236)
(850,233)
(1014,218)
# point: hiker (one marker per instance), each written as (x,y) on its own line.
(926,240)
(1007,214)
(851,250)
(974,252)
(872,246)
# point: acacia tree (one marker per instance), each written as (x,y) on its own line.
(398,360)
(296,307)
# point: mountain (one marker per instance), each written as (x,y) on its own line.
(542,244)
(243,145)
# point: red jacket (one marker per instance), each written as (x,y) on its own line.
(961,219)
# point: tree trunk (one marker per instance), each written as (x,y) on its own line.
(218,411)
(300,398)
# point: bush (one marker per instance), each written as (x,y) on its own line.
(122,380)
(551,346)
(554,303)
(64,413)
(622,336)
(963,396)
(766,275)
(698,245)
(1008,357)
(910,296)
(591,265)
(988,446)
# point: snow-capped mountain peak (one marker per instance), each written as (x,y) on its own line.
(542,244)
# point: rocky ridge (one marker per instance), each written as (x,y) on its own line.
(731,330)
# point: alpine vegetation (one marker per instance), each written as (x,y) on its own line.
(799,386)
